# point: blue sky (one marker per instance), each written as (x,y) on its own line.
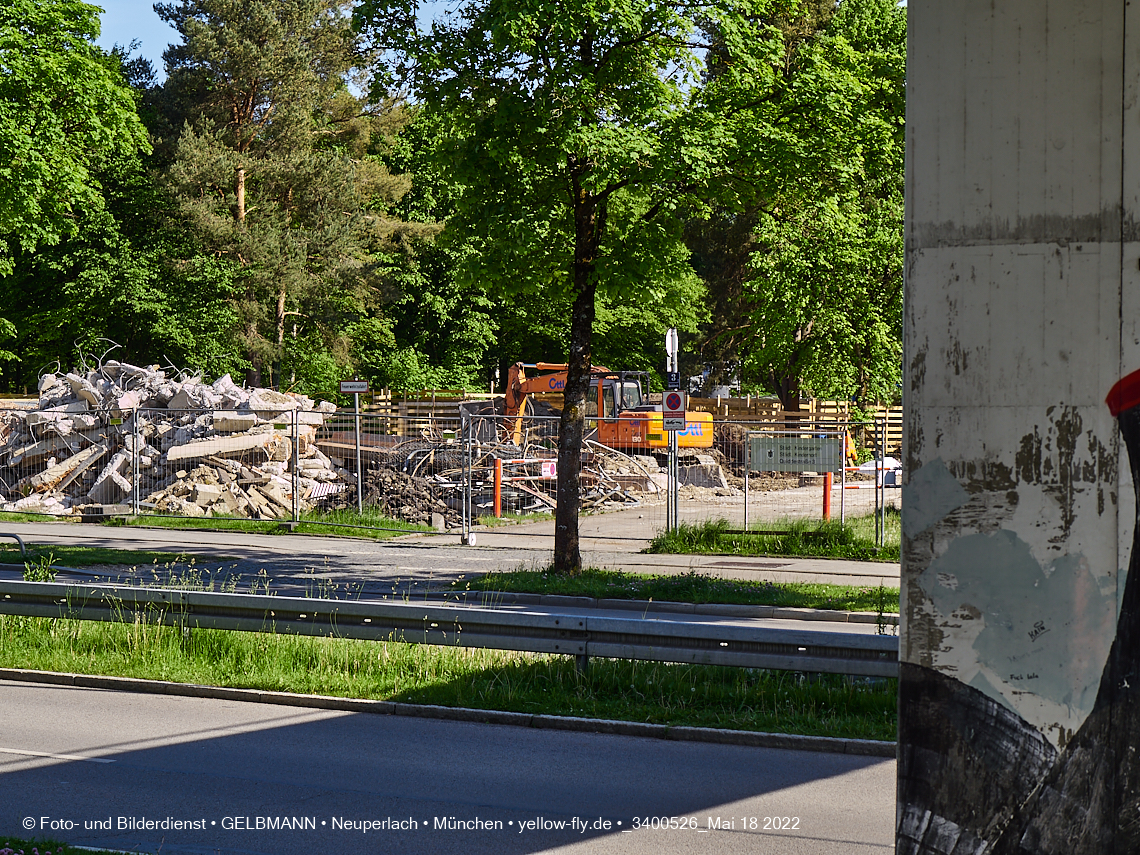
(125,20)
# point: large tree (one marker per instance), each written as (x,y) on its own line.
(812,299)
(66,109)
(581,136)
(275,171)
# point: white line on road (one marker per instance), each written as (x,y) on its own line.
(54,756)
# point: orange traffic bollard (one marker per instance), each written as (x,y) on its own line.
(827,481)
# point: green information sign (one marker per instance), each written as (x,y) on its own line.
(795,453)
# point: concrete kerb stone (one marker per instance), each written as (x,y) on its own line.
(864,747)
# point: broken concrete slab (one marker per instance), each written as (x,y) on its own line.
(220,446)
(231,421)
(53,475)
(111,486)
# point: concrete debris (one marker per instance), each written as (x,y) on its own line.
(122,435)
(191,447)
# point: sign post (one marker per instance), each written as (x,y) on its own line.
(672,403)
(355,387)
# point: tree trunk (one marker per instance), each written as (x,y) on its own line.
(571,432)
(239,194)
(280,319)
(788,391)
(588,224)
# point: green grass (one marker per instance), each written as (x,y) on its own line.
(689,587)
(9,516)
(854,540)
(345,523)
(87,556)
(736,698)
(514,519)
(44,846)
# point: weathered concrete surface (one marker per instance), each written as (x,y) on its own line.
(1018,515)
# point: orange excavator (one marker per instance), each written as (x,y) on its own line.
(615,406)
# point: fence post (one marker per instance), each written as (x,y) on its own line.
(498,487)
(296,468)
(135,435)
(827,482)
(747,472)
(880,480)
(843,477)
(468,538)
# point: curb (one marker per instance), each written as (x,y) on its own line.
(498,598)
(859,747)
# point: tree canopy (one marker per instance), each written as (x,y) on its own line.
(66,110)
(581,137)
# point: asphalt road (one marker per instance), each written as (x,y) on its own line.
(84,756)
(410,564)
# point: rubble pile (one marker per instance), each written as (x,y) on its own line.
(407,497)
(194,448)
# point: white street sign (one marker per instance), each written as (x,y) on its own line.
(349,387)
(673,411)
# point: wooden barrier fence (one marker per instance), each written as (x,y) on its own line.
(436,411)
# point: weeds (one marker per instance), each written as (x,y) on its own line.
(40,570)
(371,523)
(18,846)
(691,587)
(738,698)
(853,540)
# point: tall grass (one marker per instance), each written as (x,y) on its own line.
(691,587)
(372,523)
(737,698)
(854,539)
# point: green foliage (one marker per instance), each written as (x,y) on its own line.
(274,171)
(66,109)
(853,540)
(40,570)
(533,105)
(802,249)
(691,587)
(127,275)
(664,693)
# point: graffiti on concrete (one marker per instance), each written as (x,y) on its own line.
(1024,740)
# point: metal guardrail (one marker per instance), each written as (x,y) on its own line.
(19,540)
(464,626)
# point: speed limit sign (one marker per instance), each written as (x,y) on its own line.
(673,411)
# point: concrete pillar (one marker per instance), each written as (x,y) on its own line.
(1019,705)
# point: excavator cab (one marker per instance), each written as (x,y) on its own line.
(620,392)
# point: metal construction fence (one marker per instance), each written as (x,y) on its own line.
(738,471)
(291,465)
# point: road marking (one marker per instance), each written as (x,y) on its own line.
(54,756)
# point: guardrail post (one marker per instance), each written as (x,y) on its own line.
(582,663)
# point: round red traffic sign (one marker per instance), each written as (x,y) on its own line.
(672,401)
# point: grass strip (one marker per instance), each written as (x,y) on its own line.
(347,522)
(852,540)
(87,556)
(15,516)
(491,521)
(704,696)
(691,587)
(43,846)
